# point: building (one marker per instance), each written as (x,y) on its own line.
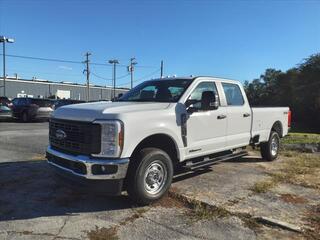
(17,87)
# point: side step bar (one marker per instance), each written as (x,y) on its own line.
(210,161)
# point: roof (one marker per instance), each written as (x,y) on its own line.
(195,77)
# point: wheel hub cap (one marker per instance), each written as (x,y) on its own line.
(274,146)
(155,178)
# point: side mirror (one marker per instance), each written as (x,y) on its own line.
(209,101)
(190,102)
(120,95)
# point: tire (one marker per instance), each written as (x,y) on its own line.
(269,150)
(24,117)
(149,175)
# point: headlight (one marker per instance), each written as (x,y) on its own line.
(111,138)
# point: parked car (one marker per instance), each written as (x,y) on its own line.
(5,101)
(136,143)
(62,102)
(5,112)
(26,109)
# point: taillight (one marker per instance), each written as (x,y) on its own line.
(289,118)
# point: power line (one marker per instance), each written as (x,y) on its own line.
(142,78)
(109,79)
(43,59)
(68,61)
(46,73)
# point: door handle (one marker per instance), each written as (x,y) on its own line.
(221,116)
(246,115)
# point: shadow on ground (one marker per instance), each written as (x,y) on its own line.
(29,190)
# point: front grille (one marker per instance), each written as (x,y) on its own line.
(74,166)
(80,137)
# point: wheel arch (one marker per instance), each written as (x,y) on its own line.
(161,141)
(277,127)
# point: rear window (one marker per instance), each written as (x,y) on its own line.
(233,94)
(42,102)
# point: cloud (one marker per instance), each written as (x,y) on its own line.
(65,68)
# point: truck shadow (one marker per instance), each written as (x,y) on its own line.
(247,159)
(29,190)
(181,174)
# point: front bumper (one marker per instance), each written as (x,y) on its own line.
(87,167)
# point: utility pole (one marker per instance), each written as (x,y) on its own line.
(131,69)
(161,67)
(114,62)
(4,40)
(88,75)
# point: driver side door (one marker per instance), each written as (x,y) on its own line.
(206,130)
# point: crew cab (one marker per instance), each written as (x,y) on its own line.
(138,142)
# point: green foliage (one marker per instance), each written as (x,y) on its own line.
(301,138)
(298,88)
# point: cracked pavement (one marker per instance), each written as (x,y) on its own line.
(35,205)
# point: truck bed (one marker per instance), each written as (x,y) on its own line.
(263,118)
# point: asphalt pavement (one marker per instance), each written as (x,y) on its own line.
(34,204)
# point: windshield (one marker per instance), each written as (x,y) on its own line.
(157,91)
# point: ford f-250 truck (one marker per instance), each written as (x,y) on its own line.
(137,142)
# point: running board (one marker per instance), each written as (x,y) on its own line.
(207,161)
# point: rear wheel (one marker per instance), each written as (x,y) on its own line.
(269,150)
(149,175)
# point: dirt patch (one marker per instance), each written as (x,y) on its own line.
(111,232)
(39,157)
(290,198)
(169,202)
(103,233)
(313,218)
(138,213)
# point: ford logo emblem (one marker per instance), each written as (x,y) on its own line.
(60,134)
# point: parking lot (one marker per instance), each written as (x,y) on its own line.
(34,205)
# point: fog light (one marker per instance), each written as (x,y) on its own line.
(104,169)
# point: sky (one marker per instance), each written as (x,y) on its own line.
(231,39)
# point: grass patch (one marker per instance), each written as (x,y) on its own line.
(263,186)
(205,212)
(198,210)
(302,138)
(297,168)
(103,234)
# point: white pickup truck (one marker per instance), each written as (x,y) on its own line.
(137,142)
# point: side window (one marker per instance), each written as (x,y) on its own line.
(15,101)
(233,94)
(22,101)
(196,95)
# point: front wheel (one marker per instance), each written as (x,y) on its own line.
(269,150)
(149,175)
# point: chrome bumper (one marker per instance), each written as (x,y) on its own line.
(122,165)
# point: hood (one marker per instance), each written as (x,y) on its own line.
(99,110)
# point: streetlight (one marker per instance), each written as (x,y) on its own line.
(114,62)
(131,69)
(5,40)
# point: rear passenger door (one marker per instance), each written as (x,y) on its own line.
(238,116)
